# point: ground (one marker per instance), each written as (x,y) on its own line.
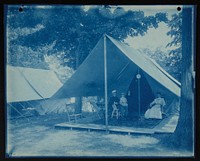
(38,137)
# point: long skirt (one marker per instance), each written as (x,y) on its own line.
(154,113)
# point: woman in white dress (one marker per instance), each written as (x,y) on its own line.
(156,108)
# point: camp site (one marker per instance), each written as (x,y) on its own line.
(114,101)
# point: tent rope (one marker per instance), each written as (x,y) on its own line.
(24,108)
(30,84)
(123,69)
(18,111)
(50,110)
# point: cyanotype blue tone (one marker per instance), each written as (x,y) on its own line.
(100,81)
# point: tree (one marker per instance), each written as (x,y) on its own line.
(75,31)
(62,72)
(183,137)
(187,96)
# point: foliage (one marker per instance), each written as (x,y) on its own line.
(62,72)
(175,55)
(170,60)
(176,30)
(71,29)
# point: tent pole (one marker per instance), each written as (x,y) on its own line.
(105,81)
(139,76)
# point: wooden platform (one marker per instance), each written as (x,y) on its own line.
(168,125)
(110,129)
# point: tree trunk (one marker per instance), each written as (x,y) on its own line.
(185,130)
(78,105)
(78,100)
(183,137)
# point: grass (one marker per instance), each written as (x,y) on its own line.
(38,137)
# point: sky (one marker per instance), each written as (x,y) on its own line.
(155,37)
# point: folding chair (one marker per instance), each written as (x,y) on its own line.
(115,113)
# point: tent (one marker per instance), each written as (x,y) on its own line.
(26,87)
(118,66)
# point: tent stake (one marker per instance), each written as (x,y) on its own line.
(105,81)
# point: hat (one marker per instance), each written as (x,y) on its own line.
(114,91)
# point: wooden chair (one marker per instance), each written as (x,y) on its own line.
(115,113)
(71,114)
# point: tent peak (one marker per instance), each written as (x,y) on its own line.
(106,35)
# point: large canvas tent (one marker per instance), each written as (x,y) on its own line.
(26,87)
(116,66)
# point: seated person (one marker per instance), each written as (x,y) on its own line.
(156,108)
(124,105)
(113,100)
(100,101)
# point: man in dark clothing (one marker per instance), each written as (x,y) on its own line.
(112,100)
